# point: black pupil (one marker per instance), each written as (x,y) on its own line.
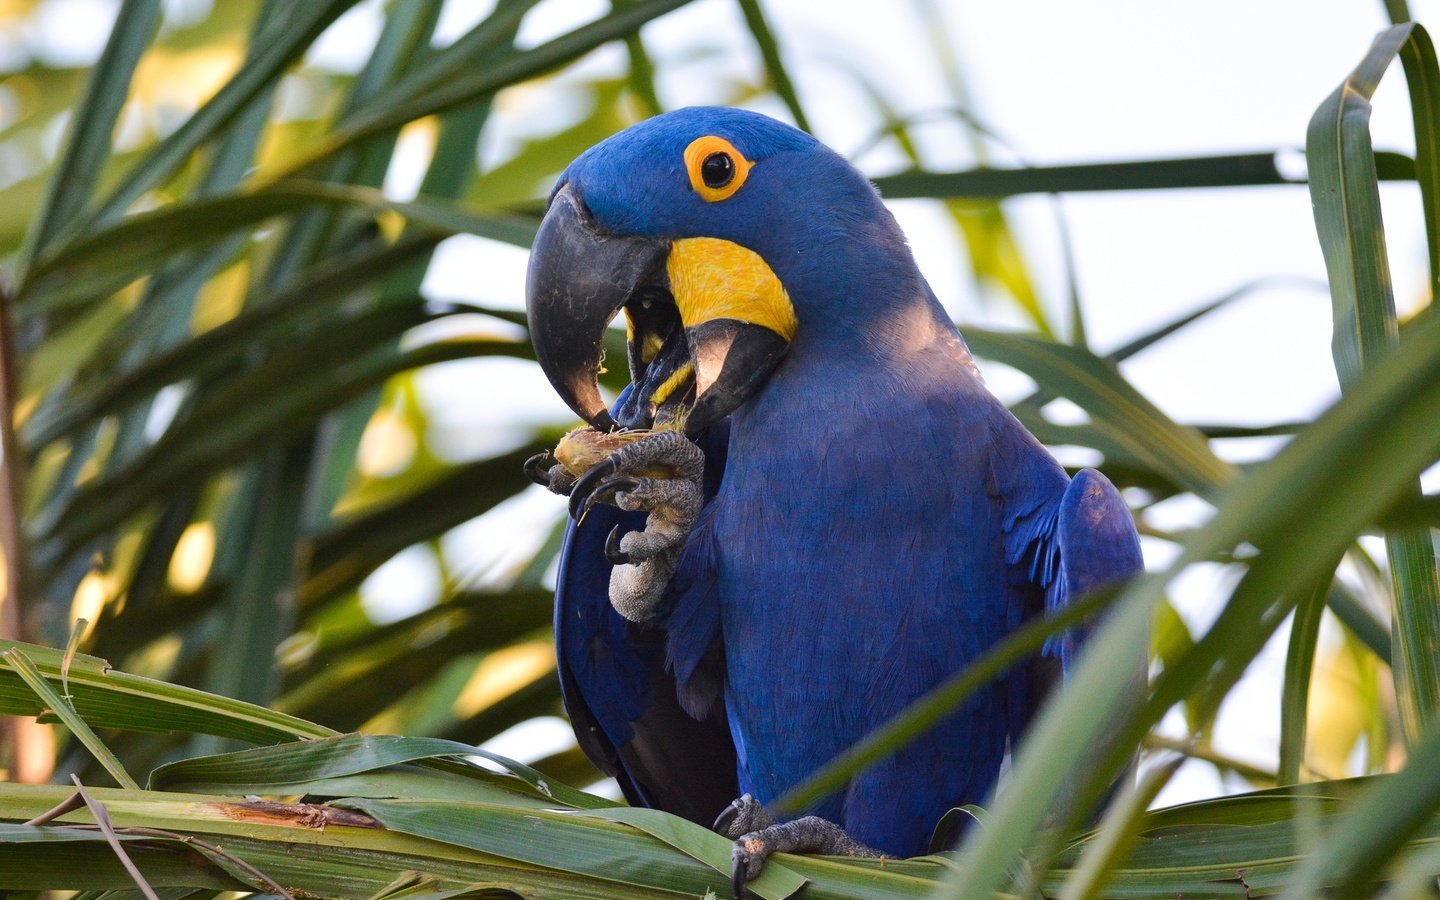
(717,170)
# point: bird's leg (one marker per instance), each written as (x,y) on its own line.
(554,478)
(757,835)
(660,475)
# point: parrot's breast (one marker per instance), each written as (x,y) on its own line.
(860,565)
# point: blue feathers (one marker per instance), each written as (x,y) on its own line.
(694,652)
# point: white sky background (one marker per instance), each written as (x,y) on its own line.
(1062,83)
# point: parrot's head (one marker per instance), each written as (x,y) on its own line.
(722,235)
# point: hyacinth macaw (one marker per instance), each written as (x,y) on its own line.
(832,514)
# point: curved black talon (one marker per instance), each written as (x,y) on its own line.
(613,486)
(613,552)
(535,471)
(739,864)
(610,487)
(726,817)
(586,484)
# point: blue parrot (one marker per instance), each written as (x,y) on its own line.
(820,513)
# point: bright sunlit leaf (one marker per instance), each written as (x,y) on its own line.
(504,672)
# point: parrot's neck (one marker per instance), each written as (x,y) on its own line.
(906,339)
(853,281)
(839,381)
(872,344)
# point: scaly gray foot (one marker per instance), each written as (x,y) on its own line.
(757,836)
(660,475)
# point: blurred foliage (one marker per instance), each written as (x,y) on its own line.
(214,350)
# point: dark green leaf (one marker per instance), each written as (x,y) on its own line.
(87,146)
(1197,172)
(106,260)
(380,118)
(1345,196)
(1295,694)
(107,698)
(281,45)
(770,52)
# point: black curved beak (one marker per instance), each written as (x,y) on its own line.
(691,364)
(578,279)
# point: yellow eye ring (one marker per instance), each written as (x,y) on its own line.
(716,169)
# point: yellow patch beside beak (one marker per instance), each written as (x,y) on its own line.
(712,278)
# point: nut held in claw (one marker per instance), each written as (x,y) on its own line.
(584,448)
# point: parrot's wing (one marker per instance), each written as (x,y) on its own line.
(1084,542)
(1097,545)
(618,692)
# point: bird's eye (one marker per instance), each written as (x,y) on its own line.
(716,169)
